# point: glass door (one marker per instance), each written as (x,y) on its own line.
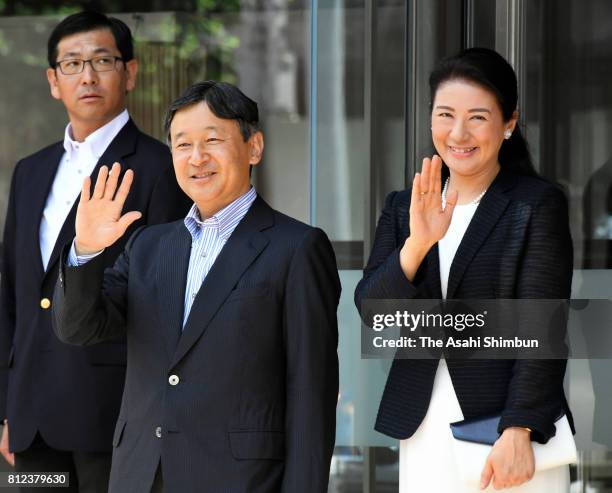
(562,51)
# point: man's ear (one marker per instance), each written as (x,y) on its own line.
(53,85)
(256,147)
(131,68)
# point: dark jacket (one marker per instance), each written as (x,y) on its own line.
(243,399)
(518,245)
(70,395)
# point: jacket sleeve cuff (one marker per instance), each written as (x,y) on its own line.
(394,280)
(541,430)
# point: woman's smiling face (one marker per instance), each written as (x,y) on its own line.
(467,127)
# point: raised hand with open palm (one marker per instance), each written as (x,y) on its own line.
(428,221)
(99,222)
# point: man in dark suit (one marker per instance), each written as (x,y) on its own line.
(230,315)
(61,402)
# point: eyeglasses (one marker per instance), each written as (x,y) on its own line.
(74,66)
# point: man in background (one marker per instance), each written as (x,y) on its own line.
(60,403)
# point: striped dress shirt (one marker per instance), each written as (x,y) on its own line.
(208,237)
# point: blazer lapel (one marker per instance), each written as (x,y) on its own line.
(242,248)
(485,218)
(432,279)
(172,268)
(124,144)
(40,186)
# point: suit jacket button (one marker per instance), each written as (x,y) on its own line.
(158,432)
(45,303)
(173,380)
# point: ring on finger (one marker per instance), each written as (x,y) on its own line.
(424,193)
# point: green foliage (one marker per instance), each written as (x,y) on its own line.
(199,34)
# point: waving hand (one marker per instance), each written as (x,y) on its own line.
(99,222)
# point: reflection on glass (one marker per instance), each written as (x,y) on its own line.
(568,50)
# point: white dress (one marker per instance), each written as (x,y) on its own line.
(426,459)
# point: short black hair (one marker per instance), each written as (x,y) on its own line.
(225,101)
(90,21)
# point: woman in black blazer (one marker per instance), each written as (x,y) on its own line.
(478,223)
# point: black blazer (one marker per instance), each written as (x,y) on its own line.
(244,398)
(70,395)
(518,245)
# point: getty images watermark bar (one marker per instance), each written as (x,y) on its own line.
(486,329)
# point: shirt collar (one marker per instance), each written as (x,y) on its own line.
(99,140)
(225,220)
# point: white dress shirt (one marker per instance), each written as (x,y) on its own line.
(78,162)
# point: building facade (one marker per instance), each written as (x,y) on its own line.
(344,103)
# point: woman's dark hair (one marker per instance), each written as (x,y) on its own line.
(224,100)
(86,21)
(491,71)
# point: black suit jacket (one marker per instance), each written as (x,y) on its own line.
(71,395)
(243,399)
(518,245)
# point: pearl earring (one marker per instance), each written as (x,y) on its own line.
(507,134)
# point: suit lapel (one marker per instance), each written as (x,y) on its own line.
(432,279)
(40,186)
(124,144)
(171,281)
(485,218)
(242,248)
